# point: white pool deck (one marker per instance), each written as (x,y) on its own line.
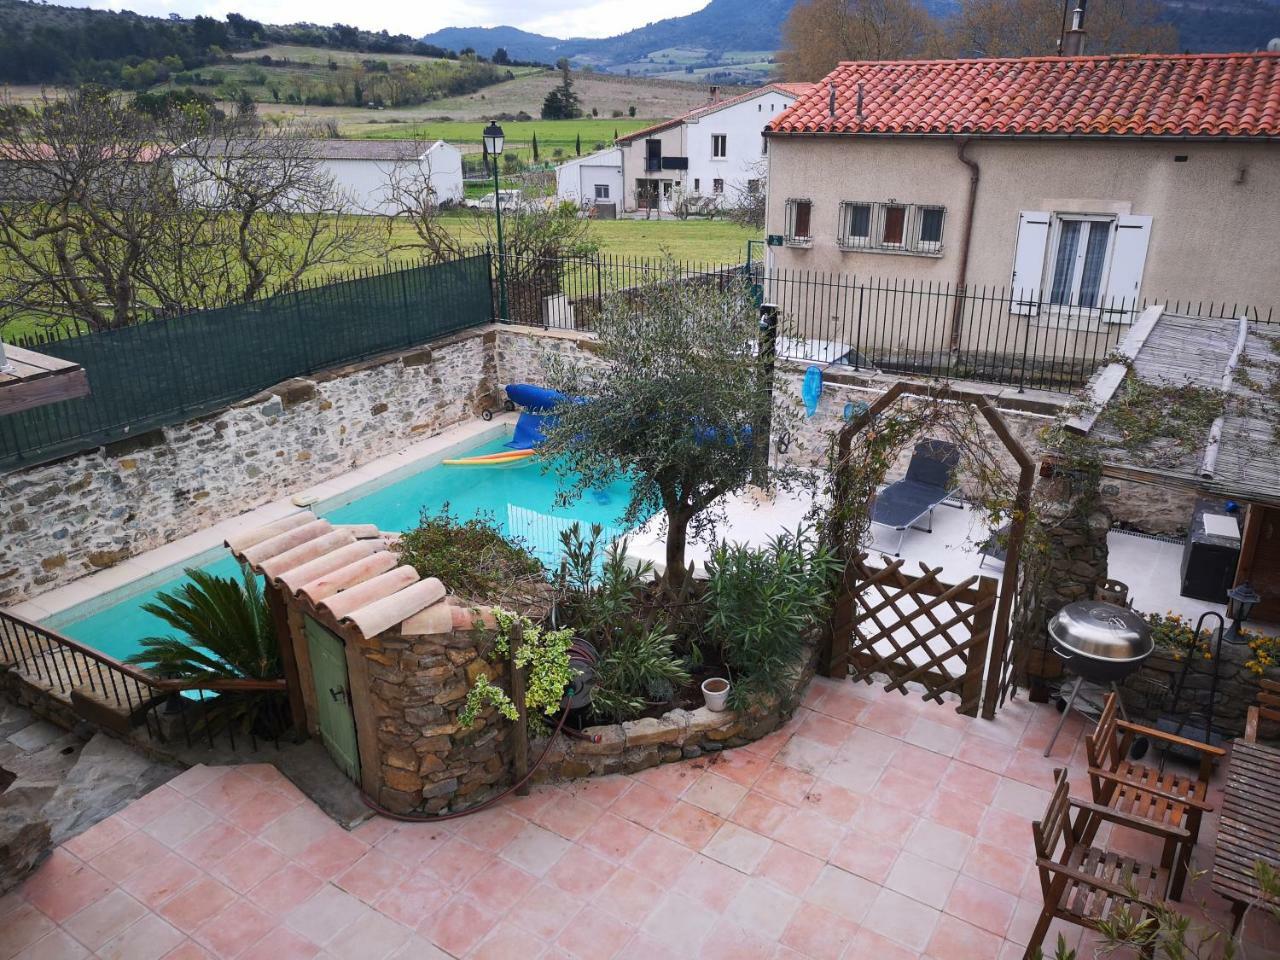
(153,567)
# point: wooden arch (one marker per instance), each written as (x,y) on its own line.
(836,656)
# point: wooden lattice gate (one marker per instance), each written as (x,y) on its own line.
(913,628)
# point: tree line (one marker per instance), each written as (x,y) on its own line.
(818,34)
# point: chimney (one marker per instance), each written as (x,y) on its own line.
(831,101)
(860,89)
(715,94)
(1073,39)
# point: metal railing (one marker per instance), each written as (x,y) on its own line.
(170,369)
(99,685)
(1025,339)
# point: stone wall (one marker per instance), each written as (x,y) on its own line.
(1148,693)
(62,520)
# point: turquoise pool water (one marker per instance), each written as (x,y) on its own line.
(519,498)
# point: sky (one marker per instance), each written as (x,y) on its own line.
(559,18)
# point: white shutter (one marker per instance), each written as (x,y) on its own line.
(1028,261)
(1128,257)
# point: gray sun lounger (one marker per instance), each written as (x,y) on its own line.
(930,480)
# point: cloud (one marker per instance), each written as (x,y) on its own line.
(560,18)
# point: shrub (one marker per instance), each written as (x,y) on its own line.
(638,668)
(762,604)
(471,557)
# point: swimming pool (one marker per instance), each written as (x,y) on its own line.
(520,499)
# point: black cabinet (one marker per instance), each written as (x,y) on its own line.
(1209,561)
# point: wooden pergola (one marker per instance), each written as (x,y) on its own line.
(999,641)
(29,379)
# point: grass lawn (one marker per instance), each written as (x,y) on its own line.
(552,134)
(694,241)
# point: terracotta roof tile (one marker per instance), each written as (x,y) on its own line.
(1200,95)
(791,89)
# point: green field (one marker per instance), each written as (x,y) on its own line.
(691,241)
(552,134)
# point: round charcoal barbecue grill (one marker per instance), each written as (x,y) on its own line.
(1101,643)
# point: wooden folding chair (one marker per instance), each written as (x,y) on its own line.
(1267,708)
(1173,800)
(1083,884)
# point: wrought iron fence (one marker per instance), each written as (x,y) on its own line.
(1026,339)
(171,369)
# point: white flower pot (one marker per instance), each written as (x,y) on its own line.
(715,691)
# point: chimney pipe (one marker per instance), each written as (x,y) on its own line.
(1073,39)
(860,88)
(831,101)
(715,93)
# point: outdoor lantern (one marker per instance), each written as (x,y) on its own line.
(493,138)
(1243,599)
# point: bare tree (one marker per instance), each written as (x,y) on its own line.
(111,215)
(818,34)
(1019,28)
(747,206)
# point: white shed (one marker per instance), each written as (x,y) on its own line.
(362,170)
(595,178)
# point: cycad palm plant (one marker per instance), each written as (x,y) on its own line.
(224,631)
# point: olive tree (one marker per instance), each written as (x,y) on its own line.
(679,403)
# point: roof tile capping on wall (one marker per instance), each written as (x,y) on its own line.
(412,653)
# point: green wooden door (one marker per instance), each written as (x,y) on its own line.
(333,698)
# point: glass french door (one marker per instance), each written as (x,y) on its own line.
(1079,261)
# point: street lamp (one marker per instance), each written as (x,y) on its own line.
(493,139)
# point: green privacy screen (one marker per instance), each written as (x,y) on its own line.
(172,369)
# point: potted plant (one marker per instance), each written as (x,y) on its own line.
(715,691)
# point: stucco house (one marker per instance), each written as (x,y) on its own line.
(363,170)
(1083,183)
(708,154)
(593,180)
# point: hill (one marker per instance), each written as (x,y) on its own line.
(719,43)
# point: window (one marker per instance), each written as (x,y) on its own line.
(717,186)
(891,227)
(719,146)
(602,191)
(799,218)
(753,187)
(697,184)
(1082,262)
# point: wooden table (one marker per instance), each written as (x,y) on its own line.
(33,379)
(1249,824)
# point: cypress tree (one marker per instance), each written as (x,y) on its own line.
(578,145)
(535,146)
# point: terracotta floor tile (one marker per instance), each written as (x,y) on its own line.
(283,944)
(458,926)
(215,841)
(903,920)
(659,858)
(824,729)
(194,779)
(642,804)
(709,883)
(997,865)
(183,821)
(285,889)
(103,834)
(330,855)
(127,857)
(371,937)
(833,802)
(581,872)
(983,753)
(678,928)
(628,896)
(545,910)
(55,945)
(983,906)
(768,746)
(902,791)
(819,933)
(568,817)
(161,880)
(784,784)
(740,766)
(325,915)
(852,774)
(491,832)
(737,847)
(535,850)
(864,855)
(867,943)
(809,833)
(297,830)
(762,909)
(689,825)
(497,885)
(412,843)
(807,756)
(59,889)
(413,899)
(234,930)
(227,792)
(374,829)
(922,764)
(930,734)
(613,837)
(596,936)
(956,940)
(974,783)
(260,810)
(148,939)
(21,928)
(670,778)
(921,879)
(151,805)
(248,866)
(371,876)
(760,813)
(715,794)
(842,893)
(193,905)
(1020,799)
(728,941)
(789,869)
(104,919)
(956,811)
(601,791)
(871,747)
(506,941)
(888,718)
(938,843)
(885,821)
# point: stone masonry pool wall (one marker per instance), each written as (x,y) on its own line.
(92,510)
